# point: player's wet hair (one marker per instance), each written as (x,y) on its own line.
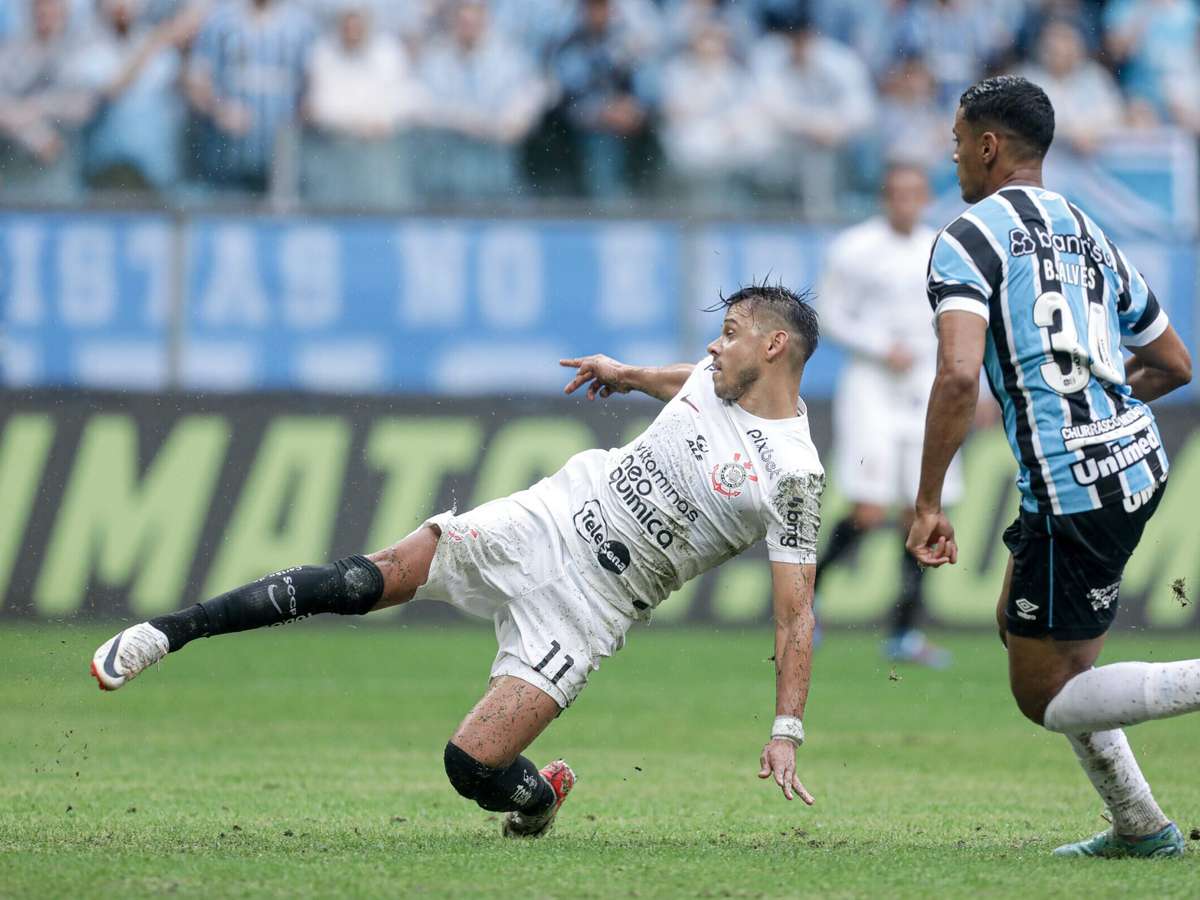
(1014,104)
(795,311)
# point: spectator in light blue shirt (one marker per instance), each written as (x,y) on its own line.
(1153,40)
(245,81)
(483,96)
(134,139)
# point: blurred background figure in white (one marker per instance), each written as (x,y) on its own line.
(872,300)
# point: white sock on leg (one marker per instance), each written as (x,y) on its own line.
(1124,693)
(1113,771)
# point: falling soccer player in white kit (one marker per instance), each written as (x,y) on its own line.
(873,272)
(567,566)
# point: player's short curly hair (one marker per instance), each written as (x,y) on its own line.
(793,310)
(1014,104)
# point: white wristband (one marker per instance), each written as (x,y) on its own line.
(788,728)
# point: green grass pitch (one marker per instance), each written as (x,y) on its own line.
(307,762)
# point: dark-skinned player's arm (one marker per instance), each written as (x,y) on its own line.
(1158,367)
(792,595)
(961,339)
(607,377)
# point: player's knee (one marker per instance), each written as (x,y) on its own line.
(1033,708)
(467,775)
(868,516)
(359,585)
(1032,700)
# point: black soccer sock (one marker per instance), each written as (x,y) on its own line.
(519,787)
(348,587)
(911,600)
(846,535)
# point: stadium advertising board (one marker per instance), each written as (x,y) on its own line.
(125,506)
(383,305)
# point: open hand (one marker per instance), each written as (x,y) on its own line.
(779,760)
(607,376)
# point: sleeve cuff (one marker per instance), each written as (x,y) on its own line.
(1151,332)
(964,303)
(792,556)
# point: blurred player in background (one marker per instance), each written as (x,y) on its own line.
(1026,285)
(566,567)
(871,305)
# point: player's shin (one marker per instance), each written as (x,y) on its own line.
(350,586)
(909,603)
(1124,693)
(518,787)
(1110,765)
(846,535)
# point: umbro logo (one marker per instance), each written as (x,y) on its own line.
(1020,243)
(1025,609)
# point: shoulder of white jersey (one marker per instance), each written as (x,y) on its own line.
(853,239)
(798,450)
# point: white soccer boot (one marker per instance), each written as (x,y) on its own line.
(125,655)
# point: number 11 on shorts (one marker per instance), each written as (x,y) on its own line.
(555,646)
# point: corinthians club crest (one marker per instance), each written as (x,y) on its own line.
(728,478)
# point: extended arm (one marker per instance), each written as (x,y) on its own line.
(1159,367)
(607,377)
(961,339)
(792,592)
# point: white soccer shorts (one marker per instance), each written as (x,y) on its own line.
(878,435)
(505,561)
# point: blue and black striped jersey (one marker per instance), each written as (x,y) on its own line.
(1059,298)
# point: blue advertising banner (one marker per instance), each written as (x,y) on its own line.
(382,305)
(453,306)
(85,299)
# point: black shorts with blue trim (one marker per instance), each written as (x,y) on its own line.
(1067,569)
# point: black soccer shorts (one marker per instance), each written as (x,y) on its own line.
(1067,569)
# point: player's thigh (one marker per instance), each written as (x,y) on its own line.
(508,719)
(405,565)
(1038,668)
(1002,603)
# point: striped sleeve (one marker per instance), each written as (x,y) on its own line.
(1141,316)
(964,269)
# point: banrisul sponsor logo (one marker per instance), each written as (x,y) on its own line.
(590,525)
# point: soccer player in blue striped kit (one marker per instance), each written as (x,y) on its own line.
(1025,284)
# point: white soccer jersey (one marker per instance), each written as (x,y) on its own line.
(705,481)
(871,299)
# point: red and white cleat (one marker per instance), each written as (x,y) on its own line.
(561,779)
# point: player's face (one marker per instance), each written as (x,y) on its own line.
(966,159)
(905,195)
(736,354)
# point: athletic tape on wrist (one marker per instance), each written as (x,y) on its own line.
(788,728)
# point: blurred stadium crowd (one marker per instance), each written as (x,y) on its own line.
(408,103)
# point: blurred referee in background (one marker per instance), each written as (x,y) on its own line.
(872,305)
